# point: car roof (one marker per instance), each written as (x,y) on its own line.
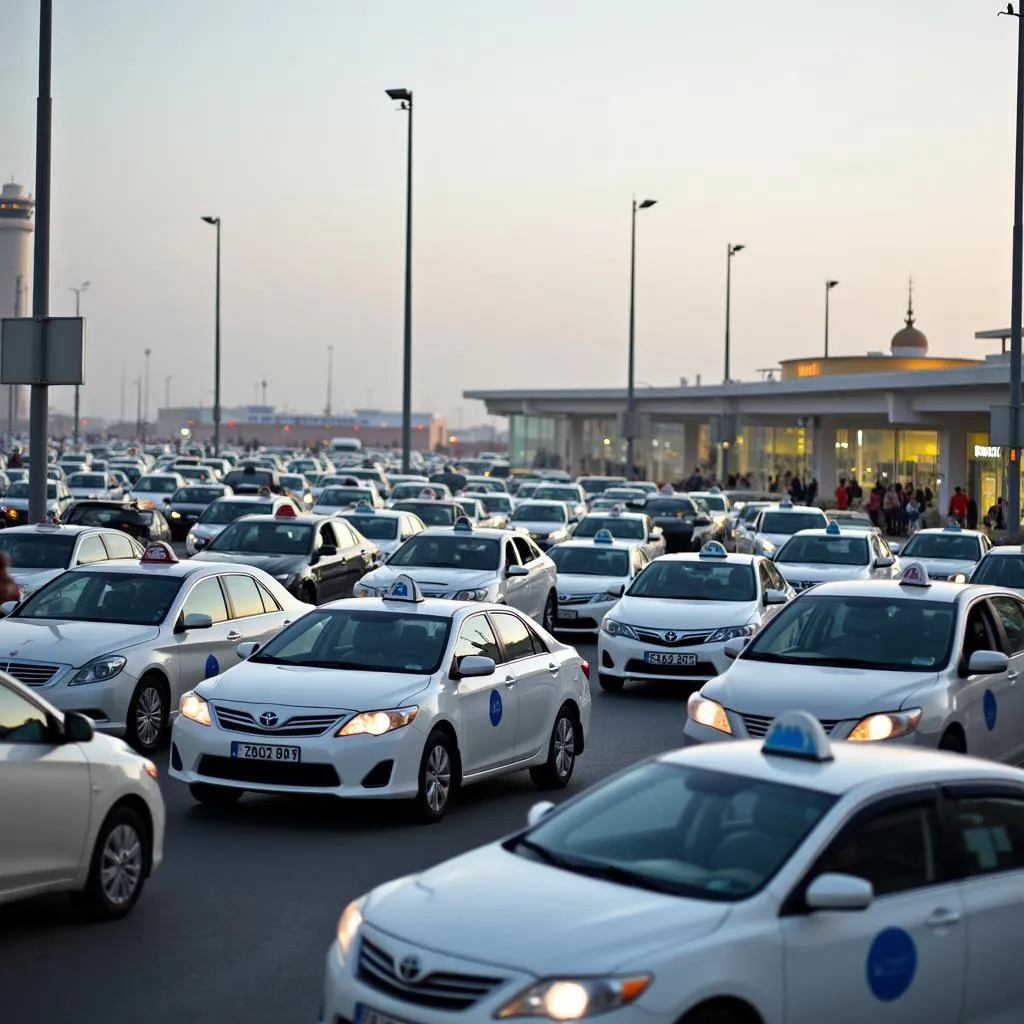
(185,567)
(853,766)
(732,557)
(247,498)
(371,513)
(606,515)
(778,506)
(488,532)
(953,533)
(47,530)
(589,542)
(1005,550)
(818,532)
(307,519)
(888,589)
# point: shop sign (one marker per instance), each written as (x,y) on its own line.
(987,451)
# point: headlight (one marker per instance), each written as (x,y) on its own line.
(362,590)
(348,926)
(470,595)
(705,711)
(150,769)
(99,670)
(608,595)
(575,998)
(730,633)
(766,545)
(175,515)
(886,725)
(615,628)
(194,708)
(376,723)
(285,577)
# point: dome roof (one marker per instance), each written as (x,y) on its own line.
(909,341)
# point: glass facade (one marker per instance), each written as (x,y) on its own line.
(888,456)
(767,454)
(986,479)
(536,442)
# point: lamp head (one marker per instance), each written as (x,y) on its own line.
(400,95)
(212,220)
(831,284)
(646,203)
(733,249)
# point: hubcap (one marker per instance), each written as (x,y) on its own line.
(149,716)
(437,778)
(121,864)
(565,747)
(549,615)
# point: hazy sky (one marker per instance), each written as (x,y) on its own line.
(858,141)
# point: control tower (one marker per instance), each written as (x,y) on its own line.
(16,226)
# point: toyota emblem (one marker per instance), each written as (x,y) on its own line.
(561,597)
(671,636)
(268,719)
(409,969)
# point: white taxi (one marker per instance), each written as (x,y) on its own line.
(792,881)
(677,617)
(946,551)
(633,526)
(775,524)
(395,697)
(120,642)
(811,557)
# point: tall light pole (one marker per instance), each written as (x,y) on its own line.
(404,98)
(167,391)
(631,382)
(730,251)
(138,407)
(84,286)
(145,408)
(829,285)
(215,221)
(330,374)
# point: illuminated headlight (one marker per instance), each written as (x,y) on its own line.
(99,670)
(362,590)
(194,708)
(175,515)
(471,595)
(885,726)
(766,545)
(615,628)
(705,711)
(193,538)
(730,633)
(348,926)
(376,723)
(285,577)
(608,595)
(575,998)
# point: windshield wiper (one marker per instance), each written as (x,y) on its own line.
(609,872)
(546,855)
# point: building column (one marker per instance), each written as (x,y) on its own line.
(952,466)
(823,456)
(689,451)
(574,446)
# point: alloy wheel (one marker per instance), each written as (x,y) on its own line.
(121,864)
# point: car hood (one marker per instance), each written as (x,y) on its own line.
(33,579)
(761,688)
(452,909)
(276,565)
(193,509)
(88,492)
(666,613)
(815,572)
(209,529)
(572,583)
(252,682)
(430,579)
(70,643)
(536,526)
(941,566)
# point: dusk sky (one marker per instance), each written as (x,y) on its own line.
(862,142)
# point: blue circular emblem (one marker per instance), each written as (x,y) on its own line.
(892,963)
(495,707)
(212,666)
(991,709)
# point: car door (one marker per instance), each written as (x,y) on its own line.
(983,700)
(331,570)
(121,546)
(487,705)
(358,553)
(537,683)
(248,611)
(988,825)
(1010,619)
(517,588)
(90,549)
(902,958)
(206,652)
(45,798)
(534,592)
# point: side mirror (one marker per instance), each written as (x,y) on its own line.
(894,548)
(473,666)
(517,570)
(884,563)
(987,663)
(775,597)
(200,543)
(960,577)
(833,891)
(701,521)
(195,620)
(539,810)
(7,607)
(77,728)
(734,648)
(621,588)
(327,550)
(247,650)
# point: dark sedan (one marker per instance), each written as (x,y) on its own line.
(434,513)
(144,524)
(187,504)
(676,516)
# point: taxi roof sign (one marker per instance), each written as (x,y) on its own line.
(915,575)
(832,529)
(264,491)
(286,512)
(158,553)
(603,537)
(428,494)
(785,503)
(403,589)
(714,549)
(463,524)
(615,511)
(715,490)
(952,527)
(797,734)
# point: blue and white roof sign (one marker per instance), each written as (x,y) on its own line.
(832,529)
(463,523)
(797,734)
(714,549)
(915,575)
(953,528)
(403,589)
(603,537)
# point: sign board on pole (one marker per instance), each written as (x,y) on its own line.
(999,428)
(21,350)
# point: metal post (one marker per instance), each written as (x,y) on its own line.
(78,399)
(145,413)
(216,357)
(330,374)
(167,391)
(1013,470)
(728,306)
(407,335)
(138,406)
(630,381)
(829,285)
(39,408)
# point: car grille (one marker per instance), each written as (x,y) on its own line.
(758,725)
(298,725)
(576,599)
(30,673)
(583,622)
(799,585)
(683,639)
(270,773)
(441,990)
(702,670)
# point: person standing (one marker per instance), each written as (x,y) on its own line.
(972,513)
(958,506)
(842,495)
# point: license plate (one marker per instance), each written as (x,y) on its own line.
(660,658)
(262,752)
(365,1015)
(568,613)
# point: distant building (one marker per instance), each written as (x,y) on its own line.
(16,227)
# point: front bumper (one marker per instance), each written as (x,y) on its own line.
(106,702)
(695,734)
(624,658)
(587,618)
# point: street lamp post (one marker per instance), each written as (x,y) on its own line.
(138,406)
(145,408)
(829,285)
(84,286)
(330,375)
(631,377)
(731,251)
(215,221)
(404,98)
(167,391)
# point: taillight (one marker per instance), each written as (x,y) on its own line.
(585,665)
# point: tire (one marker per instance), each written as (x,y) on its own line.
(951,742)
(148,715)
(549,613)
(120,864)
(214,796)
(307,593)
(610,684)
(716,1015)
(557,770)
(437,779)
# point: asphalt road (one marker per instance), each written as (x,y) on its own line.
(235,925)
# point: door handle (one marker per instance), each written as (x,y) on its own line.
(1012,675)
(943,918)
(234,636)
(287,622)
(552,668)
(510,681)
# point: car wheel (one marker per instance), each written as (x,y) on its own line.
(557,770)
(307,593)
(120,863)
(550,610)
(215,796)
(436,780)
(610,684)
(952,742)
(148,716)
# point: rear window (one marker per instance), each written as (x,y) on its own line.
(670,507)
(825,551)
(787,523)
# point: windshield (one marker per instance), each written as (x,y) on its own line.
(410,490)
(669,507)
(787,523)
(250,477)
(597,484)
(679,830)
(750,512)
(37,550)
(96,480)
(825,551)
(889,634)
(432,513)
(620,529)
(197,495)
(941,545)
(361,641)
(245,537)
(375,527)
(704,580)
(595,561)
(137,599)
(293,482)
(157,485)
(438,551)
(540,514)
(559,493)
(220,512)
(995,570)
(496,502)
(715,502)
(341,496)
(20,490)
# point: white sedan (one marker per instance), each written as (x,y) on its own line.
(391,697)
(811,557)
